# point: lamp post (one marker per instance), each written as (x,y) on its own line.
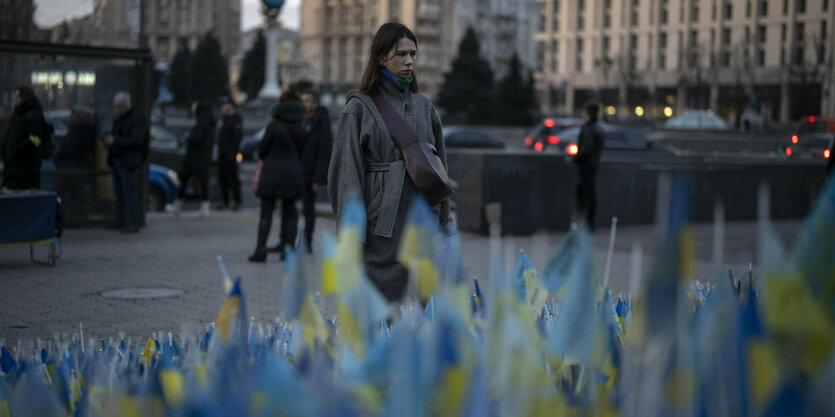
(271,89)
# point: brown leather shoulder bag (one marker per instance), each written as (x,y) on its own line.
(423,164)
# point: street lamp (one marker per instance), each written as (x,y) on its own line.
(271,10)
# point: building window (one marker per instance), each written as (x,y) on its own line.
(785,7)
(747,35)
(726,37)
(713,38)
(764,8)
(713,10)
(825,5)
(543,21)
(823,31)
(783,32)
(578,64)
(556,22)
(725,59)
(663,18)
(694,38)
(800,32)
(801,6)
(695,10)
(761,34)
(748,8)
(581,5)
(556,56)
(581,23)
(799,55)
(606,45)
(540,54)
(729,11)
(783,56)
(761,57)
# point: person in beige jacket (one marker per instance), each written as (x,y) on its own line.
(367,163)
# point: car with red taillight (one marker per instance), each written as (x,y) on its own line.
(811,138)
(547,132)
(617,140)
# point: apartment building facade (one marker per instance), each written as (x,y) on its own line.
(336,36)
(166,24)
(774,57)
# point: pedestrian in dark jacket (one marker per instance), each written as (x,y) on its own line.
(126,144)
(315,159)
(228,144)
(73,158)
(590,147)
(281,175)
(24,137)
(198,160)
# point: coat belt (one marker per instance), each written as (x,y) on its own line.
(395,174)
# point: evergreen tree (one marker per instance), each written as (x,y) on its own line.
(209,71)
(515,96)
(252,68)
(179,76)
(467,94)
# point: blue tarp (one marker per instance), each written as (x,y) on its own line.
(27,216)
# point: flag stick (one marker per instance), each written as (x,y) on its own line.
(612,234)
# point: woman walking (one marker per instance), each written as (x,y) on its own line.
(367,162)
(198,160)
(281,174)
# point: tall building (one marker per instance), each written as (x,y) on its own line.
(774,57)
(336,36)
(166,23)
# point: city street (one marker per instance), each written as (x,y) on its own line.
(179,256)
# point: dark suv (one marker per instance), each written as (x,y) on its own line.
(811,138)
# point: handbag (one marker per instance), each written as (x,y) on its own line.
(423,164)
(257,175)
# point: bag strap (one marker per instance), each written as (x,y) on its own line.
(289,138)
(395,124)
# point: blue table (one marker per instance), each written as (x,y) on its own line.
(29,218)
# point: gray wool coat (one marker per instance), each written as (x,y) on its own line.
(366,162)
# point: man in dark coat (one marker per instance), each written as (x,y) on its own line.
(24,138)
(315,158)
(228,144)
(590,147)
(197,162)
(126,144)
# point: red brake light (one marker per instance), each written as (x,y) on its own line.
(549,123)
(528,141)
(572,149)
(788,151)
(811,119)
(538,147)
(795,138)
(826,153)
(553,140)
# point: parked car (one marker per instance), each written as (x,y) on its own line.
(617,140)
(164,185)
(467,137)
(546,132)
(249,145)
(697,120)
(812,138)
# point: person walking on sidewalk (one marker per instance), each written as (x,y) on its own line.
(281,175)
(228,144)
(315,159)
(367,162)
(24,137)
(126,145)
(198,160)
(590,147)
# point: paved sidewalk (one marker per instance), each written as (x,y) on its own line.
(180,254)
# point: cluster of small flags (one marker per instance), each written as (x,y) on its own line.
(527,344)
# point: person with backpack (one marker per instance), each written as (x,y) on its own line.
(126,145)
(27,142)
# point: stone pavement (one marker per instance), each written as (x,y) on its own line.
(180,254)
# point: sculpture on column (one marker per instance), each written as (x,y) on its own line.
(271,89)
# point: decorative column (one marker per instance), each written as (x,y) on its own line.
(271,89)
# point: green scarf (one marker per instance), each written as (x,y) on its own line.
(402,83)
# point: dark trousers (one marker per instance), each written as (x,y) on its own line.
(124,185)
(585,194)
(227,177)
(309,209)
(202,181)
(289,223)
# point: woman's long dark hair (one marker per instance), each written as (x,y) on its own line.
(385,39)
